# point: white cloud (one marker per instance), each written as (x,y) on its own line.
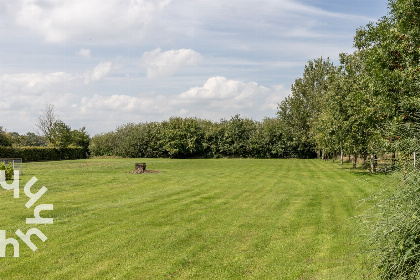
(260,45)
(217,98)
(94,20)
(230,97)
(163,64)
(35,83)
(123,104)
(277,94)
(84,52)
(23,96)
(99,72)
(32,82)
(222,89)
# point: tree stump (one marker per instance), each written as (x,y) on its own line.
(140,168)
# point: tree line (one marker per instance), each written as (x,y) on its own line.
(197,138)
(55,140)
(366,106)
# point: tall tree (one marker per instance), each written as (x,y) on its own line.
(390,50)
(46,121)
(60,135)
(300,110)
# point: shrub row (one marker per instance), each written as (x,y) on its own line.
(197,138)
(42,153)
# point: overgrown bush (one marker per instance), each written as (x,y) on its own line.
(393,226)
(394,229)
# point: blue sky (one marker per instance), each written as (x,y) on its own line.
(107,63)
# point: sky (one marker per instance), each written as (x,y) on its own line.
(105,63)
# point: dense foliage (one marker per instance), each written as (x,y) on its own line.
(388,79)
(42,153)
(5,139)
(193,138)
(8,171)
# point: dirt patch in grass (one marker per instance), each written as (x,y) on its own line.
(145,171)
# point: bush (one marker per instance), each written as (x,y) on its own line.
(8,170)
(394,228)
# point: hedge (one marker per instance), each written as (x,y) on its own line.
(42,153)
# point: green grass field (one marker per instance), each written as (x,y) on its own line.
(198,219)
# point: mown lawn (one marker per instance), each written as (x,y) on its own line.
(198,219)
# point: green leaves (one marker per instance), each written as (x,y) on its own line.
(60,135)
(181,138)
(8,170)
(5,139)
(300,111)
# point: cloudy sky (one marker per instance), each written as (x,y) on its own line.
(104,63)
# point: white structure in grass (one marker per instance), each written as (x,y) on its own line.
(33,198)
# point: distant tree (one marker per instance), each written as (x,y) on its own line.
(80,138)
(47,121)
(28,139)
(60,135)
(103,144)
(5,139)
(57,133)
(34,140)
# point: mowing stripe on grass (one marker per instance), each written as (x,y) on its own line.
(201,219)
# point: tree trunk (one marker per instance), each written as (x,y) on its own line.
(140,168)
(393,160)
(341,156)
(355,161)
(372,163)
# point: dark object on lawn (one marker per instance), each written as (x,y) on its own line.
(141,168)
